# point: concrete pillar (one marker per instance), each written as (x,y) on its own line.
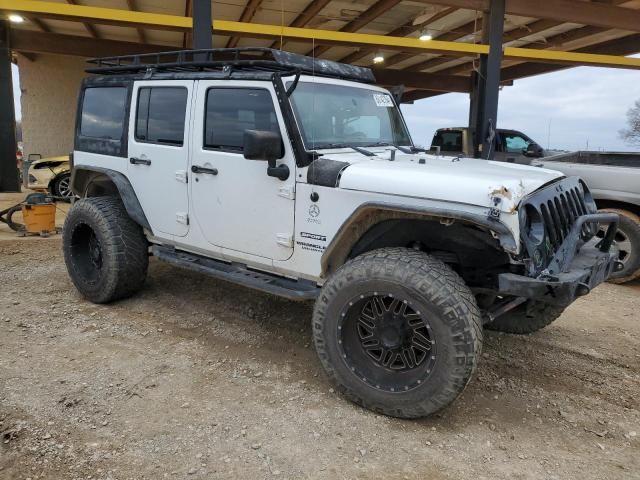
(483,114)
(50,85)
(9,181)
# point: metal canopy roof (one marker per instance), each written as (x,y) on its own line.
(539,36)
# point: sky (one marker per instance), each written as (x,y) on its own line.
(579,108)
(583,105)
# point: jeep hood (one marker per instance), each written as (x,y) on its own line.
(451,179)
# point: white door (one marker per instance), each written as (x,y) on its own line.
(236,204)
(159,133)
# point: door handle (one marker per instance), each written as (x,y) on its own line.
(139,161)
(198,169)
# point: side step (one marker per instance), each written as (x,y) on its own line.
(240,274)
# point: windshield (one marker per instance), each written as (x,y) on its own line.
(331,116)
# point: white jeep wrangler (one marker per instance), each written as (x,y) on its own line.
(298,177)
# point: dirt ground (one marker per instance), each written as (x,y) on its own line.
(197,378)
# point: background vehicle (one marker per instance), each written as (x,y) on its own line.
(510,145)
(51,174)
(614,181)
(298,177)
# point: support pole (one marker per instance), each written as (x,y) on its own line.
(485,90)
(202,25)
(8,169)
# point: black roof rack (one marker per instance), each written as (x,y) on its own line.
(229,59)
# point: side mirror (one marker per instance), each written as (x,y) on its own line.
(533,150)
(265,145)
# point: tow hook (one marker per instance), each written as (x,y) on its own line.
(582,289)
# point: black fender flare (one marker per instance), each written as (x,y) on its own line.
(83,175)
(369,214)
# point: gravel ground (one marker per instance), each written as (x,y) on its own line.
(196,378)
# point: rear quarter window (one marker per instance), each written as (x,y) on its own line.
(103,120)
(448,140)
(103,112)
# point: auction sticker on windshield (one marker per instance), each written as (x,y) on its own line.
(382,100)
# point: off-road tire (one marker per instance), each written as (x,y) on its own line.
(526,318)
(119,269)
(630,225)
(433,288)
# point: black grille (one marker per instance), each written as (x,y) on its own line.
(559,214)
(559,204)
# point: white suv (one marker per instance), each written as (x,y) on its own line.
(298,177)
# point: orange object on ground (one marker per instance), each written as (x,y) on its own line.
(39,218)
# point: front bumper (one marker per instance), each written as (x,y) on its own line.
(577,273)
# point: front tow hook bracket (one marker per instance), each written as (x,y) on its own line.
(582,289)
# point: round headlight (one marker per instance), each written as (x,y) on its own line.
(534,224)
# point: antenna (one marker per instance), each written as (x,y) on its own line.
(549,135)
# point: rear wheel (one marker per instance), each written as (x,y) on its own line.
(398,332)
(526,318)
(627,240)
(106,252)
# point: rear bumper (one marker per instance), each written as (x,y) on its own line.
(579,273)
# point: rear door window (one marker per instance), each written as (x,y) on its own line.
(161,114)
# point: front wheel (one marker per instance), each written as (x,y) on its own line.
(398,332)
(61,186)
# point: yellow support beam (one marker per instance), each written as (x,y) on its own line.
(130,18)
(81,13)
(587,59)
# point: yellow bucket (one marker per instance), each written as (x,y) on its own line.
(39,218)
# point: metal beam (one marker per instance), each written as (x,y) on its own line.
(366,17)
(40,25)
(202,32)
(36,42)
(628,45)
(425,81)
(141,35)
(161,21)
(569,11)
(402,31)
(463,30)
(59,44)
(187,38)
(8,168)
(555,41)
(247,15)
(483,115)
(515,34)
(91,30)
(309,12)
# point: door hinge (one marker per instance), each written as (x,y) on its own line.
(182,217)
(181,176)
(287,191)
(284,239)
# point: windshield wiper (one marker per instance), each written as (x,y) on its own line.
(406,150)
(361,150)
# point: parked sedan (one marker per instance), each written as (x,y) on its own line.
(51,174)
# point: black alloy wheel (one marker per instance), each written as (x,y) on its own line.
(386,342)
